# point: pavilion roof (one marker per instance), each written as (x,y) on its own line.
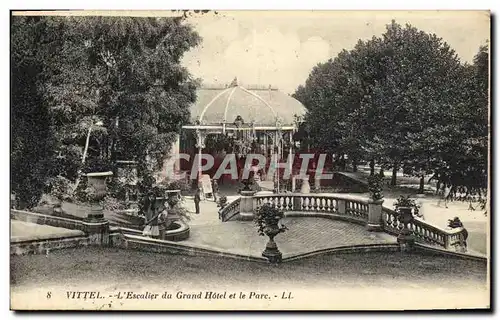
(263,106)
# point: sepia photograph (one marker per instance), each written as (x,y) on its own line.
(191,160)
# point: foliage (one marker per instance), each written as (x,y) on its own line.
(113,204)
(402,99)
(455,223)
(115,84)
(375,187)
(407,202)
(222,201)
(178,209)
(32,148)
(182,185)
(267,217)
(60,188)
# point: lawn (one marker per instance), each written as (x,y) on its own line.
(111,269)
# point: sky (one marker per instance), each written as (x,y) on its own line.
(281,48)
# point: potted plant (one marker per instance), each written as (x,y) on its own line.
(222,202)
(405,207)
(456,223)
(267,220)
(375,188)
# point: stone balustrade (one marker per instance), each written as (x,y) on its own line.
(424,232)
(230,210)
(358,210)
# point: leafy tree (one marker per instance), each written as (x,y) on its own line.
(403,99)
(124,73)
(31,137)
(112,84)
(420,86)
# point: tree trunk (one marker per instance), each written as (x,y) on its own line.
(394,173)
(372,167)
(422,182)
(354,165)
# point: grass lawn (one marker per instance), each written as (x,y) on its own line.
(344,276)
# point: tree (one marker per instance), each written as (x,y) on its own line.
(71,73)
(126,73)
(32,147)
(421,83)
(463,152)
(387,100)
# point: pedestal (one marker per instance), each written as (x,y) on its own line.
(305,188)
(317,184)
(96,214)
(271,252)
(246,205)
(374,216)
(97,231)
(406,240)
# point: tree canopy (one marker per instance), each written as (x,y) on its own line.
(116,81)
(403,99)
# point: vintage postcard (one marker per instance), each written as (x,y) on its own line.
(250,160)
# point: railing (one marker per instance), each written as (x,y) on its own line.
(423,231)
(230,210)
(334,204)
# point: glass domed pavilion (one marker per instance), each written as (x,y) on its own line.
(240,120)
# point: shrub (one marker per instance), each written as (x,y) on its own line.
(60,188)
(268,216)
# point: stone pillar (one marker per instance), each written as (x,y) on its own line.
(317,183)
(294,183)
(297,205)
(246,205)
(305,188)
(97,231)
(200,144)
(341,206)
(375,215)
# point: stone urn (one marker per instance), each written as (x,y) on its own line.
(272,252)
(267,219)
(405,216)
(97,183)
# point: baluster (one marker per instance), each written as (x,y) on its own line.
(310,201)
(290,203)
(315,204)
(304,203)
(320,204)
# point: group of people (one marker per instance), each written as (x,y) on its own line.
(156,214)
(156,218)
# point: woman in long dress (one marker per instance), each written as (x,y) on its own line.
(148,213)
